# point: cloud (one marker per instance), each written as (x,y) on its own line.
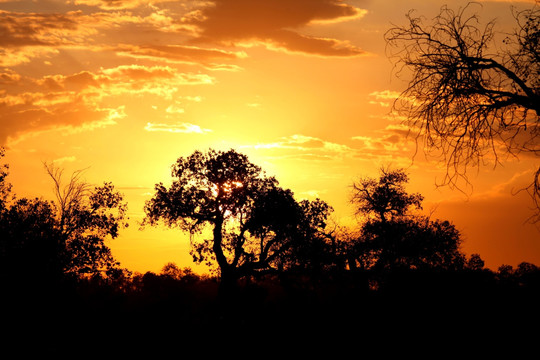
(177,53)
(129,28)
(384,97)
(29,35)
(393,144)
(32,29)
(117,4)
(17,56)
(161,81)
(303,147)
(512,1)
(64,159)
(21,121)
(312,194)
(185,128)
(392,138)
(8,76)
(25,36)
(174,109)
(74,102)
(274,24)
(389,145)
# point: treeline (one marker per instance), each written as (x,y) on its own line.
(278,262)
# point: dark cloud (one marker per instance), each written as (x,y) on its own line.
(33,29)
(274,23)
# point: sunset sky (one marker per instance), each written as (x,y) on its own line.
(122,88)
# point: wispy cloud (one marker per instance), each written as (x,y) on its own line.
(64,159)
(184,128)
(392,144)
(116,4)
(384,97)
(180,54)
(75,101)
(303,147)
(21,122)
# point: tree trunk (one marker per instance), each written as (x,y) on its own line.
(229,279)
(218,239)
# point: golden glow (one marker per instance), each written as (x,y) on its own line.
(304,88)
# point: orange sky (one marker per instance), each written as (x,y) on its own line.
(123,88)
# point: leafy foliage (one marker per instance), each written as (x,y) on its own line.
(386,197)
(392,237)
(257,226)
(62,239)
(5,187)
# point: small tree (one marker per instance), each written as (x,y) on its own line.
(256,225)
(30,251)
(393,237)
(5,187)
(85,218)
(475,263)
(385,198)
(46,241)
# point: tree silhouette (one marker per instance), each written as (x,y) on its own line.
(469,97)
(30,251)
(50,242)
(5,187)
(392,237)
(385,197)
(29,248)
(475,262)
(85,219)
(257,227)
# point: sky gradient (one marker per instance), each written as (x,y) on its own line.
(303,87)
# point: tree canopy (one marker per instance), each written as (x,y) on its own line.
(257,226)
(392,236)
(385,197)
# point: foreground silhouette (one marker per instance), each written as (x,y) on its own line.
(398,279)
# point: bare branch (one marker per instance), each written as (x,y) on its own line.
(68,196)
(466,104)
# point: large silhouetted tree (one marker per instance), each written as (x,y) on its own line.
(256,226)
(392,236)
(473,92)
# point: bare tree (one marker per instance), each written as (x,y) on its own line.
(473,93)
(68,196)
